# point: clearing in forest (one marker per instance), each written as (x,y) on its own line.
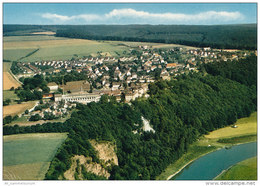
(243,126)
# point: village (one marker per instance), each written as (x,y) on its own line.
(126,78)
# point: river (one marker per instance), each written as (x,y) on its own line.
(209,166)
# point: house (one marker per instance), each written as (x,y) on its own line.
(153,68)
(47,96)
(206,48)
(116,85)
(53,86)
(171,65)
(134,76)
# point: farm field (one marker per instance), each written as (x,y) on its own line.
(17,108)
(54,48)
(17,54)
(6,66)
(244,170)
(58,48)
(153,45)
(8,80)
(27,156)
(44,33)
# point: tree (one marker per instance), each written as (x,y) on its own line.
(6,102)
(35,117)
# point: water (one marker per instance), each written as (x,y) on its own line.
(209,166)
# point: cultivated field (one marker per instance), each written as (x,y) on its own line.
(17,54)
(27,156)
(245,126)
(8,80)
(17,108)
(55,48)
(152,45)
(43,33)
(244,170)
(6,66)
(58,48)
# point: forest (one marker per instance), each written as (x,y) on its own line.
(241,36)
(179,111)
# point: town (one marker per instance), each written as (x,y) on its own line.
(126,77)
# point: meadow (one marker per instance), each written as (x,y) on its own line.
(220,138)
(244,170)
(28,156)
(245,126)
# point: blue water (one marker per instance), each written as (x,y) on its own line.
(209,166)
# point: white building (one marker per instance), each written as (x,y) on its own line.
(80,98)
(53,86)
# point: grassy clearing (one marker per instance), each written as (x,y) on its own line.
(244,170)
(207,144)
(27,156)
(17,108)
(245,126)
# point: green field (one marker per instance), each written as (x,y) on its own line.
(222,137)
(27,156)
(8,94)
(54,48)
(58,48)
(16,54)
(244,170)
(30,38)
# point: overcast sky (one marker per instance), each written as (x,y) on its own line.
(129,13)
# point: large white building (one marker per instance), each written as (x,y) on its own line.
(79,97)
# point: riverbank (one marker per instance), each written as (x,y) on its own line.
(208,144)
(244,170)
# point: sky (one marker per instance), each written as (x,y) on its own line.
(129,13)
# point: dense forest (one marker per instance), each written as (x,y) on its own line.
(178,110)
(243,36)
(217,36)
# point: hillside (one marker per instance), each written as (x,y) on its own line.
(242,36)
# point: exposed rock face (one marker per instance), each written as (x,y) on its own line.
(106,154)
